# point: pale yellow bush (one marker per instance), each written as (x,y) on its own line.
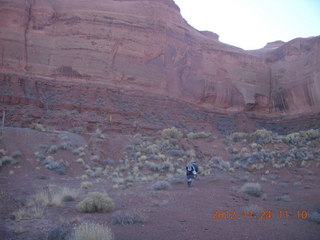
(92,231)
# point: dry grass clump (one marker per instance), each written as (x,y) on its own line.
(128,218)
(96,202)
(171,133)
(63,194)
(252,189)
(160,185)
(197,135)
(92,231)
(34,207)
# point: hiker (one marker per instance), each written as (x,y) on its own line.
(190,172)
(196,169)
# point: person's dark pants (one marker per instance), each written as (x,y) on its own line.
(190,178)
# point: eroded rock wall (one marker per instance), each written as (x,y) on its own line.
(145,45)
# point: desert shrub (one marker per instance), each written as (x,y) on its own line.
(34,211)
(39,127)
(16,154)
(98,134)
(86,184)
(53,149)
(39,156)
(220,164)
(153,148)
(5,160)
(310,134)
(40,198)
(176,153)
(79,151)
(300,138)
(158,167)
(63,194)
(171,133)
(238,136)
(127,218)
(303,154)
(262,136)
(95,173)
(262,156)
(252,189)
(96,202)
(65,146)
(92,231)
(160,185)
(95,158)
(56,166)
(196,135)
(292,138)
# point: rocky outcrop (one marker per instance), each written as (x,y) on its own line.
(146,46)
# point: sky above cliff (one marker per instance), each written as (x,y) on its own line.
(251,24)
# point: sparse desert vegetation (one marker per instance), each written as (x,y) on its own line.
(150,169)
(96,202)
(92,231)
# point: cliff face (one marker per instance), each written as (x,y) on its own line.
(145,45)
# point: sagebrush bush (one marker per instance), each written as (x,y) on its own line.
(220,164)
(171,133)
(160,185)
(127,218)
(292,138)
(96,202)
(196,135)
(39,127)
(238,136)
(252,189)
(5,160)
(86,184)
(92,231)
(262,136)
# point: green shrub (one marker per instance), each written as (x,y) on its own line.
(262,136)
(310,134)
(171,133)
(96,202)
(292,138)
(196,135)
(92,231)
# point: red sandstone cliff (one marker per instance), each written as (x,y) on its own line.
(146,45)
